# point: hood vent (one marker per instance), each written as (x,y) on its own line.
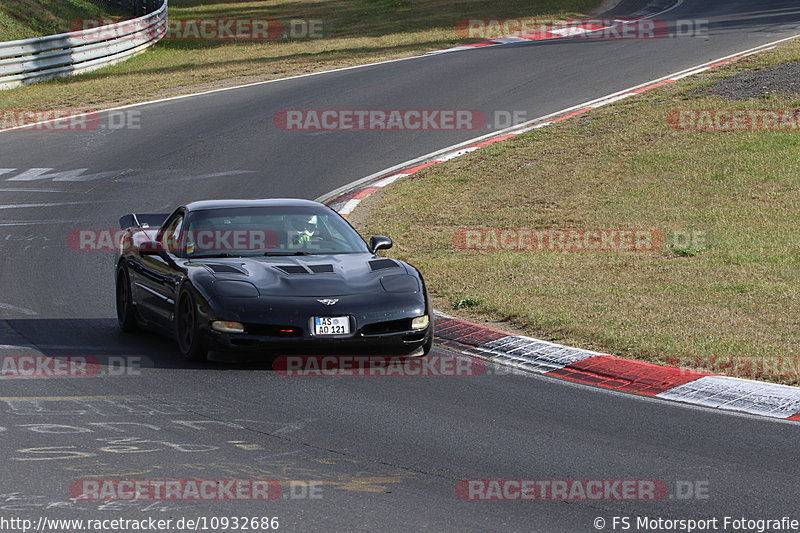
(225,269)
(380,264)
(292,269)
(321,269)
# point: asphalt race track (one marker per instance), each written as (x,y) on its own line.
(382,453)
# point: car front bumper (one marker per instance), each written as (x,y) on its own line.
(279,326)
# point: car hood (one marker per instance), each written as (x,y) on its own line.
(315,275)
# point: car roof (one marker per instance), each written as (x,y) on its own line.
(264,202)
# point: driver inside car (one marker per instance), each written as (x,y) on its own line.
(302,229)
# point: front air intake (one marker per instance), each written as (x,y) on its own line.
(381,264)
(220,268)
(292,269)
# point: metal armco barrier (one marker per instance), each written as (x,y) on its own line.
(41,58)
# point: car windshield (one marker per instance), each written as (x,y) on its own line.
(268,231)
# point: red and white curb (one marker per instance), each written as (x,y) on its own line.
(607,371)
(574,28)
(574,364)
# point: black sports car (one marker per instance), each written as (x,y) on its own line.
(276,276)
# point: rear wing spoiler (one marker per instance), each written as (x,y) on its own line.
(142,220)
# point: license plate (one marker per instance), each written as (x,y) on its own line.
(331,325)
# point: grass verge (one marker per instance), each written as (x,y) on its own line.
(354,32)
(23,19)
(724,287)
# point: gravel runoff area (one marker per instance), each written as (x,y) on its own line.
(778,80)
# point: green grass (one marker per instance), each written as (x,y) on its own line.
(22,19)
(356,32)
(726,281)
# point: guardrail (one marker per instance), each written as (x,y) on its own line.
(41,58)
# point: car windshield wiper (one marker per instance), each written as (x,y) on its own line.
(221,254)
(276,254)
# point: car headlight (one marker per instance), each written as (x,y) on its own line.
(400,283)
(227,327)
(420,322)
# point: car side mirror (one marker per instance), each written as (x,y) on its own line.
(379,242)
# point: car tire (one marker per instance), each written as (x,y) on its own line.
(126,314)
(191,344)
